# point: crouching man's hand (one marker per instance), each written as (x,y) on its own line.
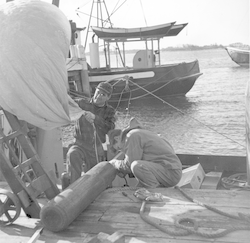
(117,165)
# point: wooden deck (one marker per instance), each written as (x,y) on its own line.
(113,211)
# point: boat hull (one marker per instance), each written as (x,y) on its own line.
(241,57)
(120,33)
(158,82)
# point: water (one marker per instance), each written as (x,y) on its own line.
(210,119)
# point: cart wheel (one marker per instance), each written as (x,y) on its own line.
(30,174)
(10,207)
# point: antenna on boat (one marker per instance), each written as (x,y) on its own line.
(89,25)
(103,22)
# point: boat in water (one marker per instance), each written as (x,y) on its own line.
(147,75)
(239,56)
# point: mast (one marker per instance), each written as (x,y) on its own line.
(101,23)
(89,25)
(117,46)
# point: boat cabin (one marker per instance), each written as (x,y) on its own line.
(143,58)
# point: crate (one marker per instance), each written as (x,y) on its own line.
(192,177)
(211,180)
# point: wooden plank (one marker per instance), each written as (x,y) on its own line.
(142,229)
(36,235)
(10,136)
(221,197)
(16,185)
(25,164)
(111,212)
(41,183)
(139,231)
(117,237)
(31,152)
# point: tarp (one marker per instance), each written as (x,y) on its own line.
(34,44)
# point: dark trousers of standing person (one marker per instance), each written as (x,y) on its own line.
(81,159)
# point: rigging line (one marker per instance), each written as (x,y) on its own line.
(120,98)
(107,20)
(78,11)
(119,101)
(141,96)
(84,4)
(91,16)
(78,94)
(86,38)
(95,142)
(143,14)
(72,65)
(187,114)
(135,89)
(127,110)
(154,81)
(126,87)
(115,7)
(115,10)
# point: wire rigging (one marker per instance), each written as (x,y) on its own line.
(127,89)
(143,13)
(187,114)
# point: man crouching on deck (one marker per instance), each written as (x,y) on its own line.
(148,156)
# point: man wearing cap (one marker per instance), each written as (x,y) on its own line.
(90,131)
(148,156)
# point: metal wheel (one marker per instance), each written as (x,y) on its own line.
(10,207)
(30,174)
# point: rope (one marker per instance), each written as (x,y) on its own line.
(194,230)
(95,143)
(183,230)
(143,14)
(236,181)
(211,235)
(149,83)
(77,62)
(240,216)
(186,113)
(165,230)
(78,94)
(120,98)
(165,102)
(121,189)
(208,206)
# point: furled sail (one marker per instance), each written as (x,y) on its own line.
(34,44)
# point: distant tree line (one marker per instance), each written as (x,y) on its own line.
(189,47)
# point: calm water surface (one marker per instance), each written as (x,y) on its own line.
(210,119)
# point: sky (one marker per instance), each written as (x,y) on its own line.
(209,21)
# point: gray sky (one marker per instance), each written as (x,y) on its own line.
(209,21)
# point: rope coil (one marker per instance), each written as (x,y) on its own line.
(183,230)
(236,181)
